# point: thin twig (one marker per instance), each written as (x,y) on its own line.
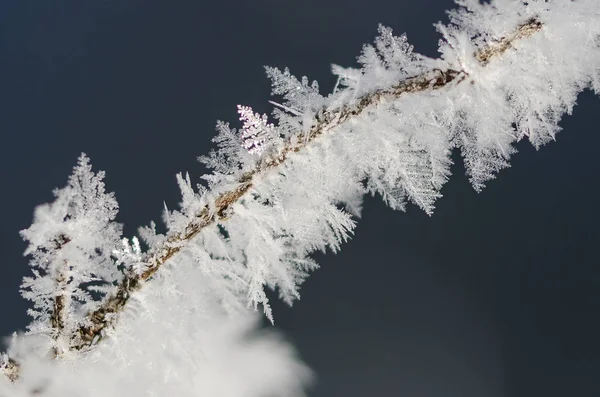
(61,297)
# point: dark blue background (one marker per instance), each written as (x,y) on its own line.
(495,295)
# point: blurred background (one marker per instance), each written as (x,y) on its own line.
(496,294)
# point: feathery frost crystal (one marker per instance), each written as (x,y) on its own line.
(71,242)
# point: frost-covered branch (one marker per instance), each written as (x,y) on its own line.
(279,192)
(324,121)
